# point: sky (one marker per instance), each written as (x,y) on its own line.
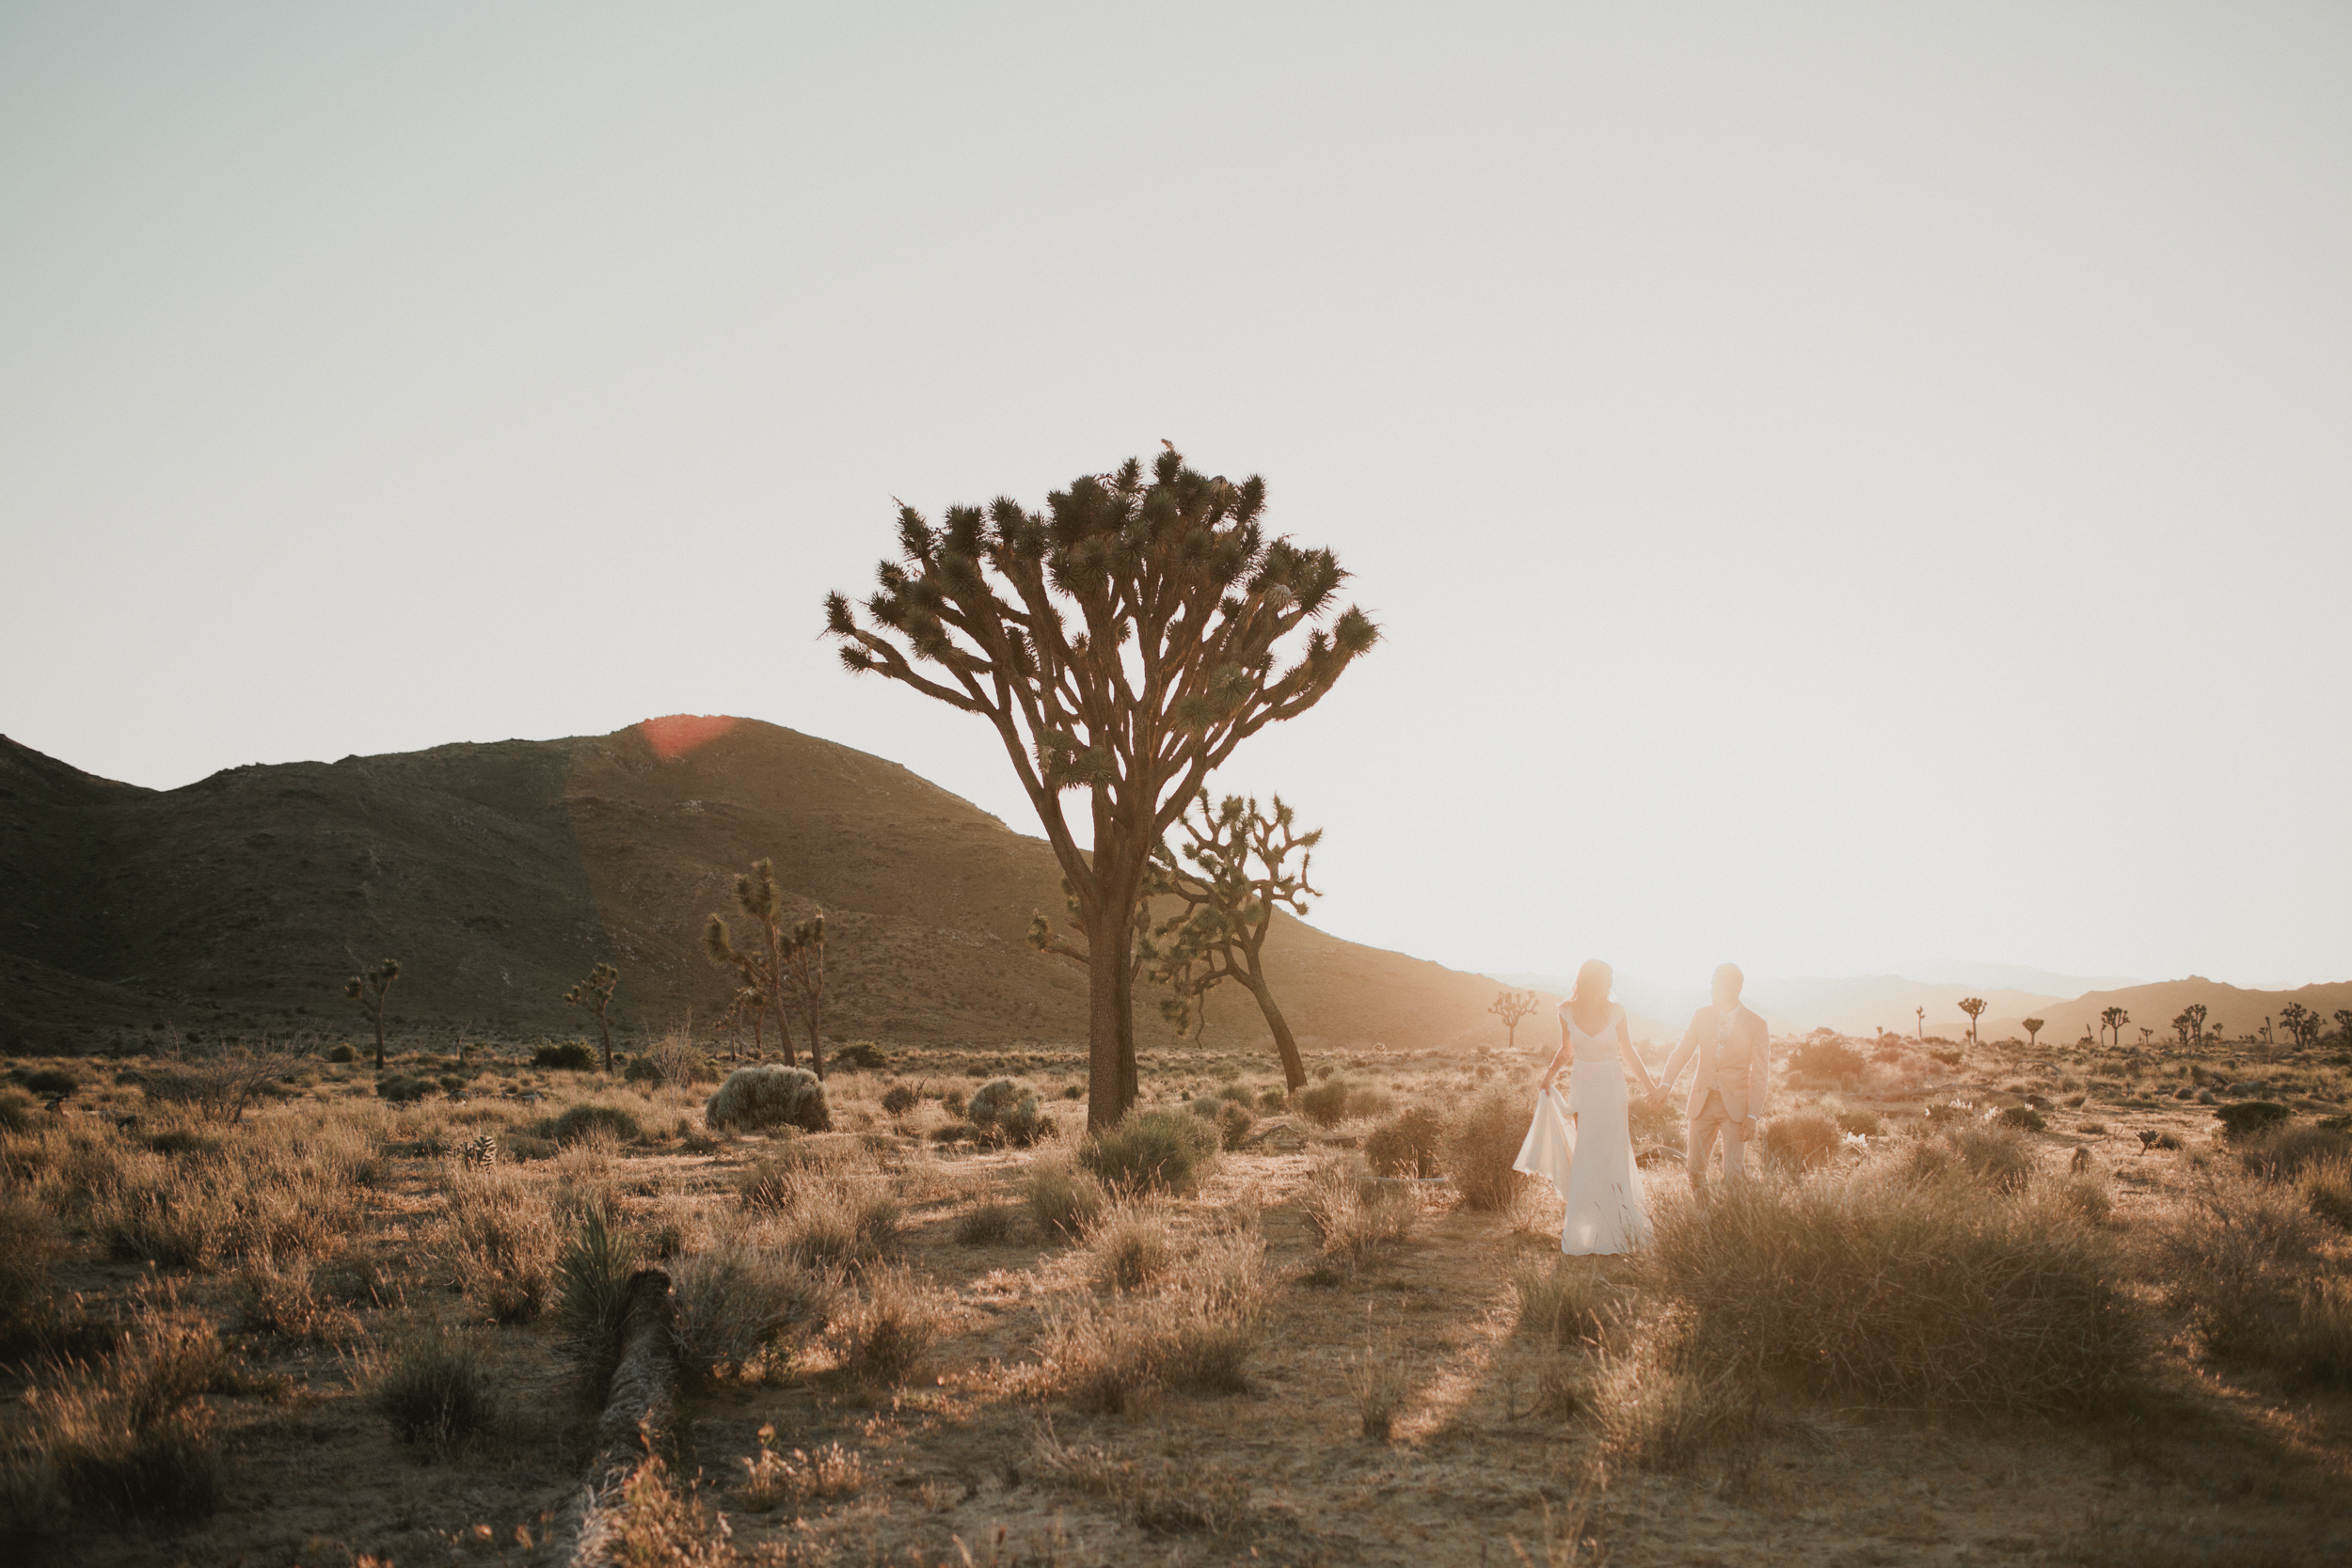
(1844,488)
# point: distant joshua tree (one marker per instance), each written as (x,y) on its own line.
(2302,1022)
(1972,1006)
(804,979)
(744,1007)
(1922,1015)
(595,994)
(1239,873)
(2145,1036)
(2033,1032)
(2114,1019)
(2343,1024)
(2195,1013)
(1511,1006)
(368,990)
(788,967)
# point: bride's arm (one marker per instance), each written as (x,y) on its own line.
(1633,1057)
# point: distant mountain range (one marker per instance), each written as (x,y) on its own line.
(499,873)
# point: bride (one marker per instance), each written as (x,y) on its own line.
(1580,1140)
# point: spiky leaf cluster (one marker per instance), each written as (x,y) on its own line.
(1233,870)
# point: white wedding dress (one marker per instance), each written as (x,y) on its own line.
(1593,1164)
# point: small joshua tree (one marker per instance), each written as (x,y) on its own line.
(2114,1019)
(368,990)
(1239,873)
(595,994)
(1972,1006)
(804,953)
(1511,1006)
(2180,1027)
(2033,1032)
(1922,1014)
(761,967)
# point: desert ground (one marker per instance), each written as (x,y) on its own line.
(1984,1304)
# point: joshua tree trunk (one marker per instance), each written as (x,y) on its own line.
(379,1035)
(1112,1088)
(1294,1069)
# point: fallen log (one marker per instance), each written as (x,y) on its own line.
(640,1407)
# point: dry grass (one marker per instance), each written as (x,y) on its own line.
(884,1328)
(1483,1143)
(741,1303)
(1130,1246)
(433,1387)
(1354,1214)
(1064,1201)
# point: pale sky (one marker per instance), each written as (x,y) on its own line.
(1844,487)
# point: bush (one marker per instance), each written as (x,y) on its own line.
(988,1225)
(1354,1215)
(1803,1140)
(28,1245)
(1899,1292)
(1273,1102)
(50,1081)
(1233,1123)
(2250,1119)
(342,1053)
(1867,1123)
(1482,1144)
(583,1122)
(1369,1104)
(570,1056)
(1152,1152)
(1131,1247)
(433,1390)
(2234,1259)
(135,1437)
(403,1090)
(881,1335)
(1004,1112)
(2023,1117)
(1326,1104)
(1561,1304)
(737,1303)
(16,1112)
(1064,1201)
(770,1096)
(899,1099)
(503,1242)
(1826,1060)
(641,1071)
(2284,1153)
(860,1056)
(1406,1146)
(1998,1156)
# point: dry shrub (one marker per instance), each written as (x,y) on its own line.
(656,1525)
(2284,1155)
(285,1300)
(758,1098)
(1656,1412)
(885,1328)
(988,1224)
(584,1123)
(1922,1294)
(1482,1144)
(1165,1152)
(1379,1381)
(28,1246)
(1197,1334)
(1562,1303)
(268,1203)
(1353,1213)
(1063,1200)
(1130,1246)
(2236,1257)
(2327,1188)
(433,1388)
(135,1437)
(741,1302)
(1803,1140)
(1005,1113)
(1407,1145)
(773,1479)
(1326,1104)
(502,1240)
(1995,1155)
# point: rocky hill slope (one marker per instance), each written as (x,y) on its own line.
(499,873)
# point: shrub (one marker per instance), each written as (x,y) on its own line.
(1273,1102)
(403,1090)
(1655,1415)
(1996,1156)
(342,1053)
(503,1243)
(584,1122)
(1867,1123)
(770,1096)
(773,1479)
(1826,1059)
(678,1062)
(860,1056)
(2284,1153)
(2327,1187)
(570,1056)
(1900,1293)
(1233,1124)
(1004,1112)
(884,1332)
(135,1437)
(16,1112)
(433,1390)
(1062,1200)
(1481,1145)
(28,1245)
(1369,1104)
(2250,1119)
(1152,1152)
(899,1099)
(1131,1247)
(1803,1140)
(1236,1093)
(737,1303)
(987,1225)
(1326,1104)
(1353,1215)
(2234,1258)
(1406,1146)
(1561,1304)
(2023,1117)
(641,1071)
(52,1080)
(593,1272)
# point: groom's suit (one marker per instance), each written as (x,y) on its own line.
(1733,1054)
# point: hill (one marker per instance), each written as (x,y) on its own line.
(499,873)
(2229,1010)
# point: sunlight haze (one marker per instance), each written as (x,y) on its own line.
(1844,489)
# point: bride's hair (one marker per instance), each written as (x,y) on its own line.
(1592,982)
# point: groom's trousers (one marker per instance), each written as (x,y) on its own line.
(1712,1121)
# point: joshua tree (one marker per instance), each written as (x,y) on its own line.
(761,969)
(2302,1022)
(1511,1006)
(1239,875)
(1972,1006)
(1143,951)
(2343,1024)
(805,981)
(2114,1019)
(2033,1032)
(2146,1034)
(1921,1013)
(368,990)
(2180,1027)
(2195,1013)
(1121,643)
(593,995)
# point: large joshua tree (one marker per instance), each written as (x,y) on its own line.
(1239,873)
(1121,643)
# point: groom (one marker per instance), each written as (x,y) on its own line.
(1727,1093)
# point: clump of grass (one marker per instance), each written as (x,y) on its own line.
(900,1098)
(135,1437)
(433,1388)
(1063,1200)
(1998,1156)
(286,1301)
(30,1245)
(1481,1145)
(739,1303)
(1353,1214)
(1407,1145)
(1657,1411)
(1197,1336)
(503,1242)
(885,1329)
(988,1224)
(1379,1382)
(2284,1154)
(1909,1293)
(1801,1140)
(1130,1247)
(1562,1303)
(774,1478)
(1164,1152)
(584,1123)
(2235,1256)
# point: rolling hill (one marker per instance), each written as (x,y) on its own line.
(499,873)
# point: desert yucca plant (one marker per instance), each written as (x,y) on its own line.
(593,1272)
